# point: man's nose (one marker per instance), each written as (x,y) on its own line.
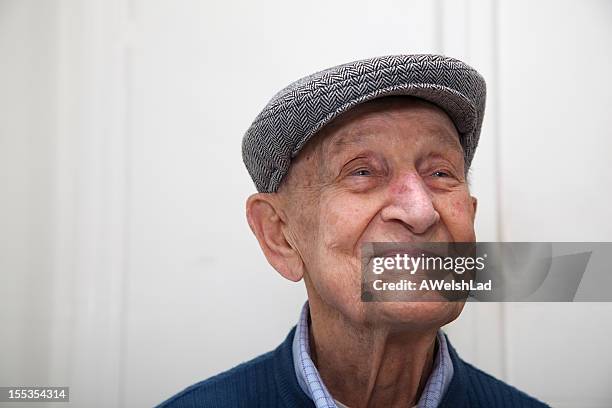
(411,204)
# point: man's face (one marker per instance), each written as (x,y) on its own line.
(391,170)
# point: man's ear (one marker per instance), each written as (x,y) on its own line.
(267,221)
(475,206)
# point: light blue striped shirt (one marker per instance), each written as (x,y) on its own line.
(309,380)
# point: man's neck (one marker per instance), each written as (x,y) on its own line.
(369,366)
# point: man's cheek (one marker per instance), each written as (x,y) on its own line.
(457,213)
(343,224)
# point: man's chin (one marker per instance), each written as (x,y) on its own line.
(413,315)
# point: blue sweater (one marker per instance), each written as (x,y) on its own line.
(268,381)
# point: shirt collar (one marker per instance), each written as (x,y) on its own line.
(311,383)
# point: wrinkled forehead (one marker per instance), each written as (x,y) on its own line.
(362,124)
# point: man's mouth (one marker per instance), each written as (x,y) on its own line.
(404,249)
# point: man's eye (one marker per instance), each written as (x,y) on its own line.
(440,174)
(362,172)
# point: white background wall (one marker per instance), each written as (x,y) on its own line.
(127,269)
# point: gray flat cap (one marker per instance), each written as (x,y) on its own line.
(301,109)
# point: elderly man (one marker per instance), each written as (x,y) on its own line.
(371,151)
